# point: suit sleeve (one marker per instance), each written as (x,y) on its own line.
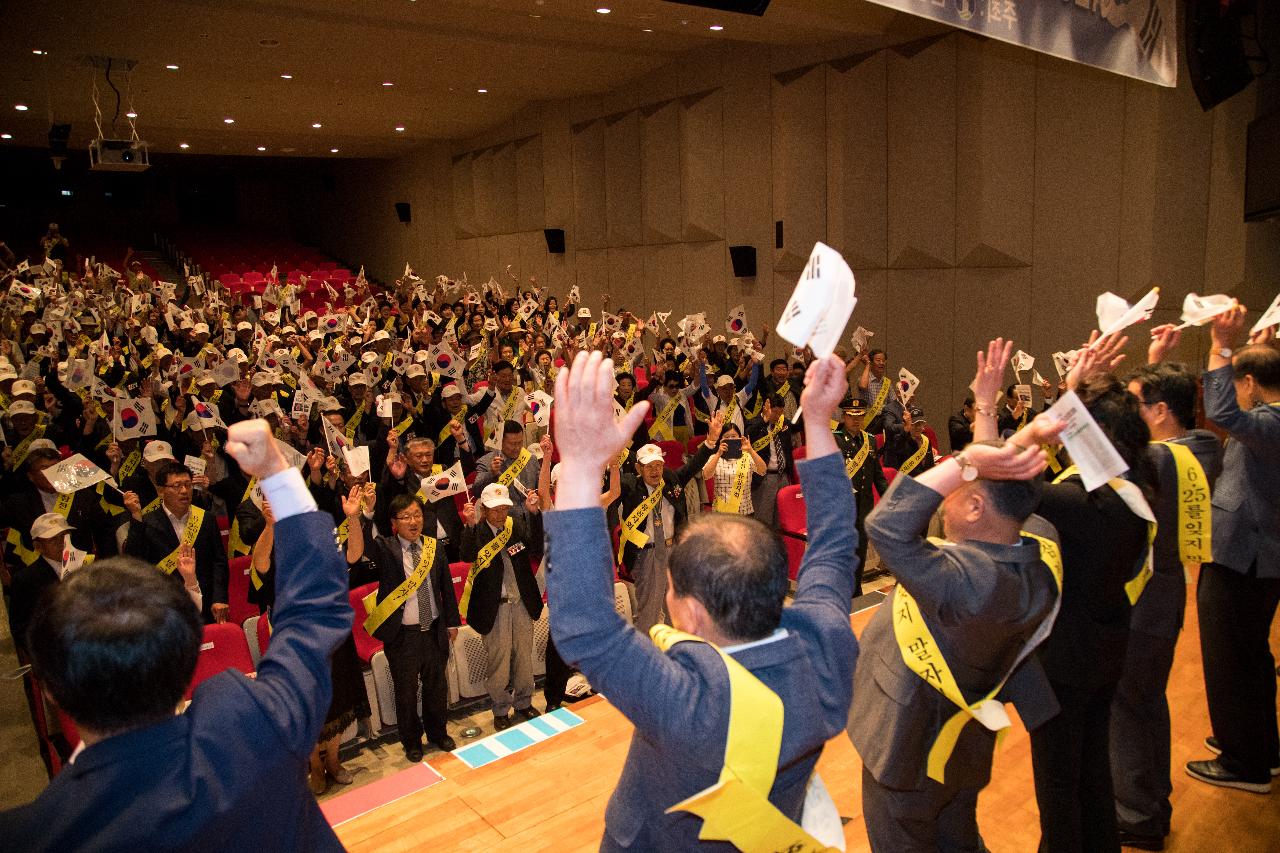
(691,468)
(1259,428)
(826,572)
(444,580)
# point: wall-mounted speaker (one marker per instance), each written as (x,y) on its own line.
(1217,58)
(555,240)
(744,261)
(777,235)
(402,211)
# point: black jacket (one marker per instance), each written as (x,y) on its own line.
(153,539)
(634,493)
(486,589)
(389,560)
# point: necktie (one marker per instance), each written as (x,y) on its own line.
(426,600)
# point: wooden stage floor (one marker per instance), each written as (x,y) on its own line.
(552,796)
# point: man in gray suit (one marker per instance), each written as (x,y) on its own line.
(987,597)
(1240,589)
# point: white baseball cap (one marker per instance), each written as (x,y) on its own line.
(414,371)
(49,525)
(244,326)
(649,453)
(584,313)
(718,339)
(451,391)
(200,329)
(494,495)
(21,407)
(156,451)
(24,386)
(357,379)
(724,379)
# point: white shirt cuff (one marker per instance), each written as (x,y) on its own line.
(288,494)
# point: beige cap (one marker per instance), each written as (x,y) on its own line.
(649,453)
(451,391)
(23,386)
(494,495)
(584,313)
(200,329)
(414,371)
(156,451)
(724,379)
(244,326)
(357,379)
(49,525)
(262,378)
(21,407)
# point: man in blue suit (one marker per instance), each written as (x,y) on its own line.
(734,640)
(115,648)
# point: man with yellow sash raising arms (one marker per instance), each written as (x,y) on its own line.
(951,644)
(711,758)
(906,445)
(512,464)
(157,536)
(1187,462)
(862,466)
(416,617)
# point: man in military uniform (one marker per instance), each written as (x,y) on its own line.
(862,465)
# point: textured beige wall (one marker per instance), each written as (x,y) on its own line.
(975,188)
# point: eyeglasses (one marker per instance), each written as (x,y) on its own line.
(183,486)
(409,517)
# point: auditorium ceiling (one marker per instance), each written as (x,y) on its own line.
(439,69)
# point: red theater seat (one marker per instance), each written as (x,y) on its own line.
(366,645)
(224,647)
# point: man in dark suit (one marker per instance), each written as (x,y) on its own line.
(409,473)
(906,447)
(960,426)
(36,496)
(1240,589)
(227,773)
(970,612)
(862,465)
(728,585)
(155,537)
(449,407)
(418,632)
(646,562)
(770,435)
(501,599)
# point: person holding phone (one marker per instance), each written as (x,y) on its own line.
(729,471)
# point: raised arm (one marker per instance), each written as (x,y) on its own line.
(1220,404)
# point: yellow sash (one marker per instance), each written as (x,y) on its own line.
(23,447)
(377,615)
(195,517)
(235,544)
(736,808)
(386,359)
(913,460)
(878,403)
(730,407)
(922,656)
(763,441)
(663,423)
(483,559)
(354,423)
(508,476)
(853,464)
(1137,504)
(130,465)
(741,477)
(631,531)
(1195,519)
(508,408)
(404,424)
(62,506)
(447,431)
(1052,453)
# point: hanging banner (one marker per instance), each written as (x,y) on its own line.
(1137,38)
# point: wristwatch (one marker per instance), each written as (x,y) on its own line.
(968,472)
(1225,352)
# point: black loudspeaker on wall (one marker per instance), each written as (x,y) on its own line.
(555,240)
(744,261)
(402,211)
(1217,58)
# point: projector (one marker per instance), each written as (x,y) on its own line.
(118,155)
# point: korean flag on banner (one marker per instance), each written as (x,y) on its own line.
(79,372)
(445,484)
(188,367)
(400,361)
(132,418)
(907,384)
(226,372)
(540,405)
(612,322)
(737,322)
(443,360)
(207,414)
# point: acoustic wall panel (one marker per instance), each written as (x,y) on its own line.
(857,151)
(920,334)
(871,312)
(529,198)
(557,169)
(659,172)
(921,120)
(534,261)
(464,199)
(799,164)
(664,283)
(592,277)
(706,278)
(990,303)
(589,207)
(626,280)
(502,190)
(994,153)
(622,179)
(748,154)
(702,166)
(484,192)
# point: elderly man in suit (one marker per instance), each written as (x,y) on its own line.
(967,613)
(650,524)
(417,625)
(862,465)
(501,599)
(155,537)
(36,496)
(410,473)
(770,435)
(227,774)
(737,653)
(1240,589)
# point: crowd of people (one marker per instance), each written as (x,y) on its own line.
(425,420)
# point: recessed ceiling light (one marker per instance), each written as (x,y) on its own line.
(183,145)
(333,150)
(172,67)
(388,83)
(317,125)
(22,108)
(228,120)
(603,11)
(715,28)
(399,128)
(38,52)
(479,91)
(535,16)
(131,114)
(262,148)
(286,76)
(646,30)
(6,136)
